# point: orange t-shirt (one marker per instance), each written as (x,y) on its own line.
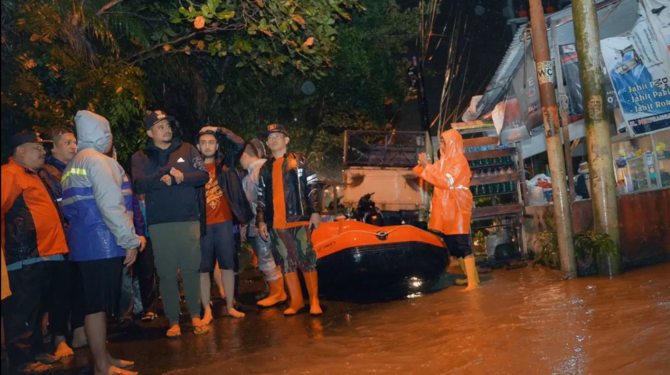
(218,209)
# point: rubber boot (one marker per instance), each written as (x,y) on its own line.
(295,290)
(461,263)
(471,272)
(277,294)
(312,281)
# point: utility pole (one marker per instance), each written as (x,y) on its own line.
(545,72)
(601,167)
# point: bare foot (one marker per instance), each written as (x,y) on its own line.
(294,308)
(315,309)
(63,351)
(207,318)
(120,363)
(234,313)
(113,370)
(470,287)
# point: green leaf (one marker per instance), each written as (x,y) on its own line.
(226,14)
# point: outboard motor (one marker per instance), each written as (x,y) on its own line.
(367,212)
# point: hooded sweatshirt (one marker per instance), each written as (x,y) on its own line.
(452,199)
(97,196)
(174,203)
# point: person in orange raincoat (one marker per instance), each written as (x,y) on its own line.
(452,200)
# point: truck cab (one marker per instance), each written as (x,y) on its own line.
(381,162)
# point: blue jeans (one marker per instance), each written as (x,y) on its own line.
(266,262)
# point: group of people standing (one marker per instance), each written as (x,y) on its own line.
(71,214)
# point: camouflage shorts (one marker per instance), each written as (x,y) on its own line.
(293,249)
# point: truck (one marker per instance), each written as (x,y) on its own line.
(380,163)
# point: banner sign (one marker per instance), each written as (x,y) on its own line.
(527,91)
(639,66)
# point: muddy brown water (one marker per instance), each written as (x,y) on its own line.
(525,321)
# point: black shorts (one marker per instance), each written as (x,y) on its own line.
(218,245)
(458,244)
(102,285)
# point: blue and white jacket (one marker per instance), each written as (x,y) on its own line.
(97,196)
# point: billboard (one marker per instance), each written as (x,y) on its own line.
(570,66)
(639,67)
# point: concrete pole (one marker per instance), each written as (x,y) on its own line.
(545,72)
(601,166)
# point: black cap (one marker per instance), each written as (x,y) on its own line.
(276,128)
(24,137)
(155,117)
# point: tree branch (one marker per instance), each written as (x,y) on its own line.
(107,6)
(162,53)
(130,14)
(208,30)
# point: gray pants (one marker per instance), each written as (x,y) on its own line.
(177,247)
(266,262)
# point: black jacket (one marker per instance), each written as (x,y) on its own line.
(174,203)
(229,180)
(301,190)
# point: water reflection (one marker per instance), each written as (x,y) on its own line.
(525,321)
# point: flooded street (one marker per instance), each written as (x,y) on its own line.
(524,321)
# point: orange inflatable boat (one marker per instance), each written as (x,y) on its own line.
(354,253)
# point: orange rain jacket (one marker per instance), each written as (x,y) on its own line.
(452,199)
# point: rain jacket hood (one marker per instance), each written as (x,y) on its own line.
(453,144)
(93,131)
(97,196)
(452,200)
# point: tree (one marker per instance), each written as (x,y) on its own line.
(238,63)
(364,88)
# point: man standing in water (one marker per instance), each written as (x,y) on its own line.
(253,160)
(288,209)
(172,175)
(225,202)
(97,202)
(452,200)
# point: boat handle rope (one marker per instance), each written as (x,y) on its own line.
(376,234)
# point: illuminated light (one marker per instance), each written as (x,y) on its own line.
(414,295)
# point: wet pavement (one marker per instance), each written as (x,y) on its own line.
(524,321)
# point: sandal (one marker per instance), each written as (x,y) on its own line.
(200,330)
(174,332)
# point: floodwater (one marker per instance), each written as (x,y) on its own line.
(523,321)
